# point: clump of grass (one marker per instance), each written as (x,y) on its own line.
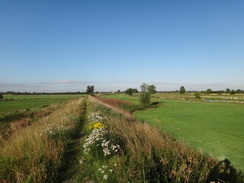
(33,154)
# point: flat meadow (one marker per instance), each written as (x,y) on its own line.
(17,111)
(12,103)
(215,128)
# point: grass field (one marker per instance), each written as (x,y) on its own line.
(12,103)
(213,96)
(216,128)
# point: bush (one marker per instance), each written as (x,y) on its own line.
(1,96)
(232,92)
(145,98)
(197,95)
(182,90)
(129,91)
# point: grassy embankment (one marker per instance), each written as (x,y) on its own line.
(216,128)
(127,150)
(34,153)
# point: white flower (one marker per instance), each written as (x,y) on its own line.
(80,161)
(105,176)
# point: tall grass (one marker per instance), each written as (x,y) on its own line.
(33,154)
(146,154)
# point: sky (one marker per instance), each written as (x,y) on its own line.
(64,46)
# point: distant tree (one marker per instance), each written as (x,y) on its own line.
(197,95)
(118,91)
(135,90)
(1,96)
(227,90)
(209,91)
(239,91)
(129,91)
(152,89)
(90,89)
(182,90)
(232,92)
(145,95)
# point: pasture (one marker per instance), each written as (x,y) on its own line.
(215,128)
(13,103)
(204,96)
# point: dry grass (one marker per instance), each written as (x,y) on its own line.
(113,104)
(29,154)
(13,126)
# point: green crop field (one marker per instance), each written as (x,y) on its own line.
(215,128)
(12,103)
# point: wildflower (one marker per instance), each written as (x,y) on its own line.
(105,176)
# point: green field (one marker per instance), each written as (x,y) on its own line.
(213,96)
(12,103)
(216,128)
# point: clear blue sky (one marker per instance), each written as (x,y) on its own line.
(49,46)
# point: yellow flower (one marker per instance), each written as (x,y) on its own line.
(95,125)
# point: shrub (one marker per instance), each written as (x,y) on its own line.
(197,95)
(182,90)
(232,92)
(129,91)
(145,98)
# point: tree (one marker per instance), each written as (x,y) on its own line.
(239,91)
(1,96)
(182,90)
(209,91)
(129,91)
(145,95)
(227,90)
(118,91)
(197,95)
(152,89)
(135,90)
(232,92)
(90,89)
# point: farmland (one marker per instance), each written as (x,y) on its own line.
(17,111)
(92,139)
(215,128)
(12,103)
